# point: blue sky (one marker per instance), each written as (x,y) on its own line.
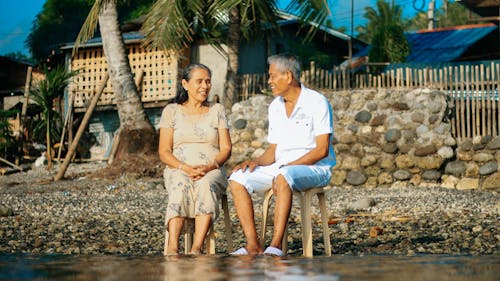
(16,18)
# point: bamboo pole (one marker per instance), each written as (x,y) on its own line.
(493,106)
(483,96)
(81,129)
(462,101)
(497,79)
(22,117)
(11,164)
(468,97)
(488,102)
(66,120)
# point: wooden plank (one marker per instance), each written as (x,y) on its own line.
(494,108)
(488,102)
(462,102)
(468,98)
(483,101)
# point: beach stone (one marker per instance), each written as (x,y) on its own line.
(418,117)
(371,106)
(368,160)
(401,106)
(456,168)
(363,116)
(486,139)
(482,157)
(425,150)
(488,168)
(449,181)
(445,152)
(384,178)
(429,162)
(433,118)
(363,203)
(390,148)
(467,183)
(472,170)
(240,124)
(378,120)
(494,144)
(386,162)
(466,145)
(351,163)
(464,155)
(492,181)
(393,135)
(404,161)
(353,128)
(478,146)
(401,175)
(371,182)
(6,211)
(338,177)
(431,175)
(405,148)
(355,178)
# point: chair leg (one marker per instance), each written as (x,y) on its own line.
(265,213)
(307,248)
(188,242)
(324,222)
(165,247)
(227,223)
(210,241)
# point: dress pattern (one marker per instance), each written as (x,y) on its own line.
(195,142)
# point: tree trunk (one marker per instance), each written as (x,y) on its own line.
(232,81)
(138,136)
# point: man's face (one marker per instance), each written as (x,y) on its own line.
(279,81)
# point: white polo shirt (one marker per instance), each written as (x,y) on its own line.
(296,135)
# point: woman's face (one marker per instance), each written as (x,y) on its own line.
(199,85)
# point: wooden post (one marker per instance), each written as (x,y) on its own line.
(24,110)
(81,129)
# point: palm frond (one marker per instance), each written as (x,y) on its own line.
(89,26)
(312,12)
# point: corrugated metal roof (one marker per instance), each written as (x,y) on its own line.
(442,45)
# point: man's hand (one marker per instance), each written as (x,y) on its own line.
(248,164)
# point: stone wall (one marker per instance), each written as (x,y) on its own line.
(385,138)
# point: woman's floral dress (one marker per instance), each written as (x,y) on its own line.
(195,142)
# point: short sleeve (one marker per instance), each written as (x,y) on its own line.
(323,119)
(167,116)
(222,122)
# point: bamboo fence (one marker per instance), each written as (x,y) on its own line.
(472,90)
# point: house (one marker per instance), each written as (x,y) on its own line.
(158,72)
(475,42)
(13,82)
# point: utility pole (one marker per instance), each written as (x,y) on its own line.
(350,37)
(430,15)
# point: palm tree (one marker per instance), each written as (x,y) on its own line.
(386,31)
(136,133)
(43,94)
(176,24)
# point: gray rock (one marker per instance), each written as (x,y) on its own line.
(363,116)
(393,135)
(466,145)
(240,124)
(390,148)
(456,168)
(488,168)
(363,203)
(402,175)
(494,144)
(431,175)
(425,150)
(355,178)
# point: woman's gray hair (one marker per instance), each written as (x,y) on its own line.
(286,62)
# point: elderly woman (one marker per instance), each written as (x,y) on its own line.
(194,144)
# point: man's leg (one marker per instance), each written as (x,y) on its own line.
(244,210)
(283,198)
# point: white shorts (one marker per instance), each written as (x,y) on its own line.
(299,177)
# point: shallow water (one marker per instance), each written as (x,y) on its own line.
(223,267)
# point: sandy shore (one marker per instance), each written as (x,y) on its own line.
(125,216)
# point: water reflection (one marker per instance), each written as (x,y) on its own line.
(212,268)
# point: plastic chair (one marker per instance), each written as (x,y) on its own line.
(210,240)
(305,213)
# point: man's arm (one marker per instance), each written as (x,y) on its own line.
(267,158)
(319,152)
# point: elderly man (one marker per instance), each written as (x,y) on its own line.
(300,154)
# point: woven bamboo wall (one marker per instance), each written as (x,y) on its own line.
(158,83)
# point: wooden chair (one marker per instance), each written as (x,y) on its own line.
(305,213)
(210,240)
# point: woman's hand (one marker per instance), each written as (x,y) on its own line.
(194,172)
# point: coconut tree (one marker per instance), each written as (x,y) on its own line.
(386,31)
(176,24)
(137,136)
(44,93)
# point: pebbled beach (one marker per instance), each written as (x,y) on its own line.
(82,215)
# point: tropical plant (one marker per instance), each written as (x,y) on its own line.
(176,24)
(7,139)
(386,29)
(43,94)
(136,133)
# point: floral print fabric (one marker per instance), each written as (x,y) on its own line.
(195,142)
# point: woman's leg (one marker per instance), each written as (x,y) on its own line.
(201,225)
(174,229)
